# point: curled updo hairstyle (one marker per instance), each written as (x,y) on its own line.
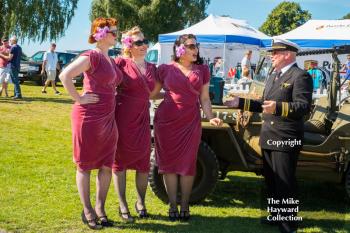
(135,31)
(181,40)
(100,23)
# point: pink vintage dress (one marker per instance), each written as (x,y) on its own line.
(133,117)
(94,129)
(177,120)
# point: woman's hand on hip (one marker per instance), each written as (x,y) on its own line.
(88,98)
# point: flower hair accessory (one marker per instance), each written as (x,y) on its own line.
(101,33)
(180,50)
(127,41)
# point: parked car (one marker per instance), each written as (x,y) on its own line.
(31,69)
(113,53)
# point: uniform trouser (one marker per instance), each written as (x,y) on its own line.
(279,170)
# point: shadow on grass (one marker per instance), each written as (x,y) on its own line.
(26,100)
(199,223)
(249,192)
(59,84)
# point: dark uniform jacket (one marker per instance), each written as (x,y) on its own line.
(283,131)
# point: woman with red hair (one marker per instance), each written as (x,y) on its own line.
(133,120)
(94,129)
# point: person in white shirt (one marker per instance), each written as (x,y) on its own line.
(245,63)
(246,80)
(50,64)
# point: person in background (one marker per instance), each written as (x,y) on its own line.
(316,75)
(246,63)
(15,60)
(50,65)
(94,130)
(245,80)
(346,68)
(286,100)
(133,121)
(5,76)
(177,121)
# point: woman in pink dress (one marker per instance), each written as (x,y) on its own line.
(94,129)
(133,120)
(177,120)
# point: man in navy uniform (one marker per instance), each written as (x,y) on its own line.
(286,100)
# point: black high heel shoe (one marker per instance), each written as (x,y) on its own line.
(105,222)
(128,218)
(142,213)
(91,223)
(185,215)
(173,214)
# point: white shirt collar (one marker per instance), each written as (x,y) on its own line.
(287,67)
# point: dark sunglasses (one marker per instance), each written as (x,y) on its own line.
(113,32)
(141,42)
(192,46)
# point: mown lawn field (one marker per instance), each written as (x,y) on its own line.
(38,192)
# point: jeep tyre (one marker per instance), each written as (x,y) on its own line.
(205,180)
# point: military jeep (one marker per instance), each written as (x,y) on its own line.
(235,145)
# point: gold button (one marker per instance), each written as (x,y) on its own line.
(271,122)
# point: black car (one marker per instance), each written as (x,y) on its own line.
(31,69)
(113,53)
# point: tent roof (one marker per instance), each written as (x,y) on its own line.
(216,29)
(319,34)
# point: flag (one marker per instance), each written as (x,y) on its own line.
(232,72)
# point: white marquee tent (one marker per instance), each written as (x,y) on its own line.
(218,37)
(319,34)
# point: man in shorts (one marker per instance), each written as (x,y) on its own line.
(50,64)
(5,76)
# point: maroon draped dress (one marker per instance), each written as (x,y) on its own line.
(177,120)
(133,117)
(94,130)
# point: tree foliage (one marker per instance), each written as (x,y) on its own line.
(36,19)
(347,16)
(284,18)
(153,16)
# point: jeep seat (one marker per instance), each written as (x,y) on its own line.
(314,138)
(314,128)
(313,132)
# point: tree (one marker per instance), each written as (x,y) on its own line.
(284,18)
(36,19)
(347,16)
(153,16)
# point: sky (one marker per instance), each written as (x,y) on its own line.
(254,11)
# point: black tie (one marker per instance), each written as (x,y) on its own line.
(278,75)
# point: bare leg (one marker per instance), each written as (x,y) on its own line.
(170,181)
(4,87)
(141,187)
(186,183)
(53,83)
(47,82)
(83,184)
(119,178)
(103,181)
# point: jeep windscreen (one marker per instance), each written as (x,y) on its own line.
(263,69)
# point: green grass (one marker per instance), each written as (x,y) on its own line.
(38,191)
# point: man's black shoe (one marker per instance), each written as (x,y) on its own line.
(17,97)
